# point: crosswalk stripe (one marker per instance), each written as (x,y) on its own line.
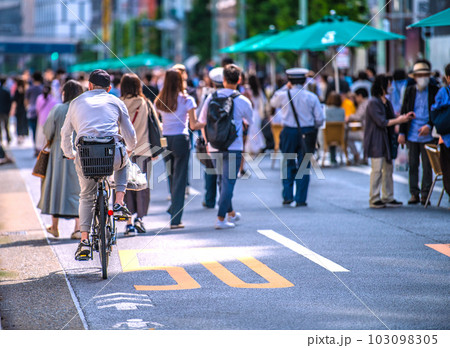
(299,249)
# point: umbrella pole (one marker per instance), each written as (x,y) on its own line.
(272,70)
(336,72)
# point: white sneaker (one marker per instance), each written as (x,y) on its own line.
(234,218)
(222,225)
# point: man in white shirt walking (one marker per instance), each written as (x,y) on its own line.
(96,113)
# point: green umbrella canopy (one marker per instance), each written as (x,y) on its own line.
(439,19)
(264,42)
(141,60)
(242,46)
(330,31)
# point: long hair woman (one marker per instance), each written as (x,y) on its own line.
(379,143)
(177,110)
(60,188)
(255,138)
(44,104)
(138,108)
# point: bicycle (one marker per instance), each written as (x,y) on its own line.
(97,163)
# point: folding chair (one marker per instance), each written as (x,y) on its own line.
(334,135)
(434,154)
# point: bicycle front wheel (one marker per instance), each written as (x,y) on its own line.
(103,241)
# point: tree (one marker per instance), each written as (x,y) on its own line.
(199,29)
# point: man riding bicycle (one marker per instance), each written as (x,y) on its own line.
(96,113)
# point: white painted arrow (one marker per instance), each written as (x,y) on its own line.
(125,306)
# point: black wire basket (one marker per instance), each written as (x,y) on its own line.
(97,156)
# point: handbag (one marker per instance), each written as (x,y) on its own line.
(200,147)
(441,118)
(40,168)
(158,143)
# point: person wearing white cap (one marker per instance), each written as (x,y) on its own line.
(216,77)
(302,115)
(417,132)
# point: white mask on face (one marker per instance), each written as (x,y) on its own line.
(422,82)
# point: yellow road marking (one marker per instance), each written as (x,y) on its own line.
(130,263)
(274,280)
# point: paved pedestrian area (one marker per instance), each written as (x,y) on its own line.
(335,264)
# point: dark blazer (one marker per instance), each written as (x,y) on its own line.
(409,99)
(5,101)
(376,139)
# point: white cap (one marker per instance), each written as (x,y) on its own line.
(216,75)
(296,73)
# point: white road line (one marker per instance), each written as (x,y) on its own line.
(309,254)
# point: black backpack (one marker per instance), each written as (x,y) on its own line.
(220,127)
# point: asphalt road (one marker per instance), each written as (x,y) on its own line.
(335,264)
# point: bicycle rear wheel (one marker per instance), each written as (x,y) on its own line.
(103,240)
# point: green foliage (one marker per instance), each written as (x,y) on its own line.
(199,29)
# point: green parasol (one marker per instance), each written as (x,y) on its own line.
(439,19)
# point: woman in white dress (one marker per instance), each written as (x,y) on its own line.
(255,138)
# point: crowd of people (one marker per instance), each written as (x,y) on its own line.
(233,112)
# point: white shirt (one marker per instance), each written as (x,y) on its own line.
(242,110)
(307,105)
(98,114)
(176,122)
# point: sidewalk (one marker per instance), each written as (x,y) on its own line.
(34,294)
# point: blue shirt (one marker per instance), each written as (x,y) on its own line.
(422,118)
(442,99)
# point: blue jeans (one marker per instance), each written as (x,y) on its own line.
(291,143)
(210,190)
(231,160)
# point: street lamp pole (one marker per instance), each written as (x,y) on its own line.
(303,16)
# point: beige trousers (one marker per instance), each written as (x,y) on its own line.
(381,180)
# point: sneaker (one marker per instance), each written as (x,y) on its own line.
(234,218)
(414,200)
(121,211)
(300,204)
(288,202)
(378,205)
(393,204)
(130,230)
(222,225)
(139,225)
(83,251)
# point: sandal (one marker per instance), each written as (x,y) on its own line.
(76,235)
(52,232)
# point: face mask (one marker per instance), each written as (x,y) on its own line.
(422,82)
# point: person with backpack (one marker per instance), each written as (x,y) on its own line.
(302,115)
(216,77)
(224,113)
(177,109)
(440,115)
